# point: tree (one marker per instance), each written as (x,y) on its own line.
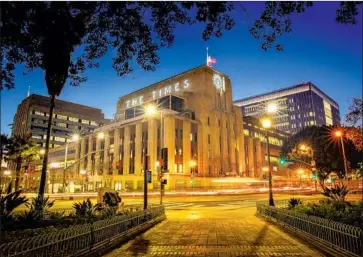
(353,118)
(326,151)
(21,149)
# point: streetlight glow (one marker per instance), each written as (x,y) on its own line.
(101,135)
(157,164)
(75,137)
(303,147)
(7,172)
(54,165)
(266,123)
(300,171)
(338,133)
(82,172)
(192,163)
(271,108)
(42,151)
(150,110)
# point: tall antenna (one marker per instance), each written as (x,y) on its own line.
(28,91)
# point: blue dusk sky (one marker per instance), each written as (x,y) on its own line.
(317,50)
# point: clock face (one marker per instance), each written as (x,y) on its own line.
(217,80)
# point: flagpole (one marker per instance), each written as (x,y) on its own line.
(207,57)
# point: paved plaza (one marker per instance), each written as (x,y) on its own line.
(214,231)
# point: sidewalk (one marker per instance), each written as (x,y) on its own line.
(193,233)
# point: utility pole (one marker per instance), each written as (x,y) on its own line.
(145,178)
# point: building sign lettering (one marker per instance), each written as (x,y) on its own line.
(159,93)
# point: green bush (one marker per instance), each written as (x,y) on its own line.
(293,202)
(39,206)
(86,210)
(336,193)
(9,202)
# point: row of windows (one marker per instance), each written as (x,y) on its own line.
(63,117)
(54,138)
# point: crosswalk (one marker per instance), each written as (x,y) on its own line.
(183,205)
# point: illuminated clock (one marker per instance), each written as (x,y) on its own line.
(218,82)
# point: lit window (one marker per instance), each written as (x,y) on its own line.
(59,139)
(118,185)
(85,121)
(61,124)
(36,136)
(61,117)
(208,154)
(312,122)
(181,168)
(39,113)
(191,136)
(94,123)
(73,119)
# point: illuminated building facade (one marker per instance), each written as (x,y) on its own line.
(297,107)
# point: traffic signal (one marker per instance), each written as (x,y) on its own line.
(282,161)
(164,156)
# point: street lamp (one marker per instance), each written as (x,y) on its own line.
(101,135)
(266,124)
(42,151)
(300,172)
(339,134)
(271,108)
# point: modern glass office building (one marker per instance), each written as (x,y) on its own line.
(293,108)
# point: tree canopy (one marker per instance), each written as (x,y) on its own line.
(353,118)
(325,150)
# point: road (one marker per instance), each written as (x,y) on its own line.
(215,226)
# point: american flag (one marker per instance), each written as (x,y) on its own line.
(211,61)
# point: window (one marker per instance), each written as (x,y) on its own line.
(209,170)
(73,119)
(176,133)
(59,139)
(85,121)
(61,124)
(118,185)
(37,136)
(208,121)
(94,123)
(39,113)
(208,139)
(61,117)
(191,136)
(208,154)
(129,113)
(195,137)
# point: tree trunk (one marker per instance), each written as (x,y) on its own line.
(43,178)
(17,172)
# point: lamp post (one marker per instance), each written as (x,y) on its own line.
(300,171)
(266,124)
(53,165)
(75,137)
(84,173)
(339,134)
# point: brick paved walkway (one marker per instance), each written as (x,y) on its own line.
(187,235)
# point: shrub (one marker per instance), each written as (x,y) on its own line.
(293,202)
(39,206)
(111,199)
(9,202)
(337,193)
(85,210)
(108,212)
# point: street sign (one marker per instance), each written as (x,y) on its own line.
(148,176)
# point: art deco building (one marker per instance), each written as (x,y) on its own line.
(195,120)
(296,107)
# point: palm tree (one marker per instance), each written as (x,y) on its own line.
(21,148)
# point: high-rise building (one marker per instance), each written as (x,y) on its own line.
(68,118)
(293,108)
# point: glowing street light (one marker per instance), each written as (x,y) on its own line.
(271,108)
(192,163)
(54,165)
(101,135)
(75,137)
(42,151)
(157,164)
(266,124)
(83,172)
(7,172)
(150,110)
(303,147)
(339,134)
